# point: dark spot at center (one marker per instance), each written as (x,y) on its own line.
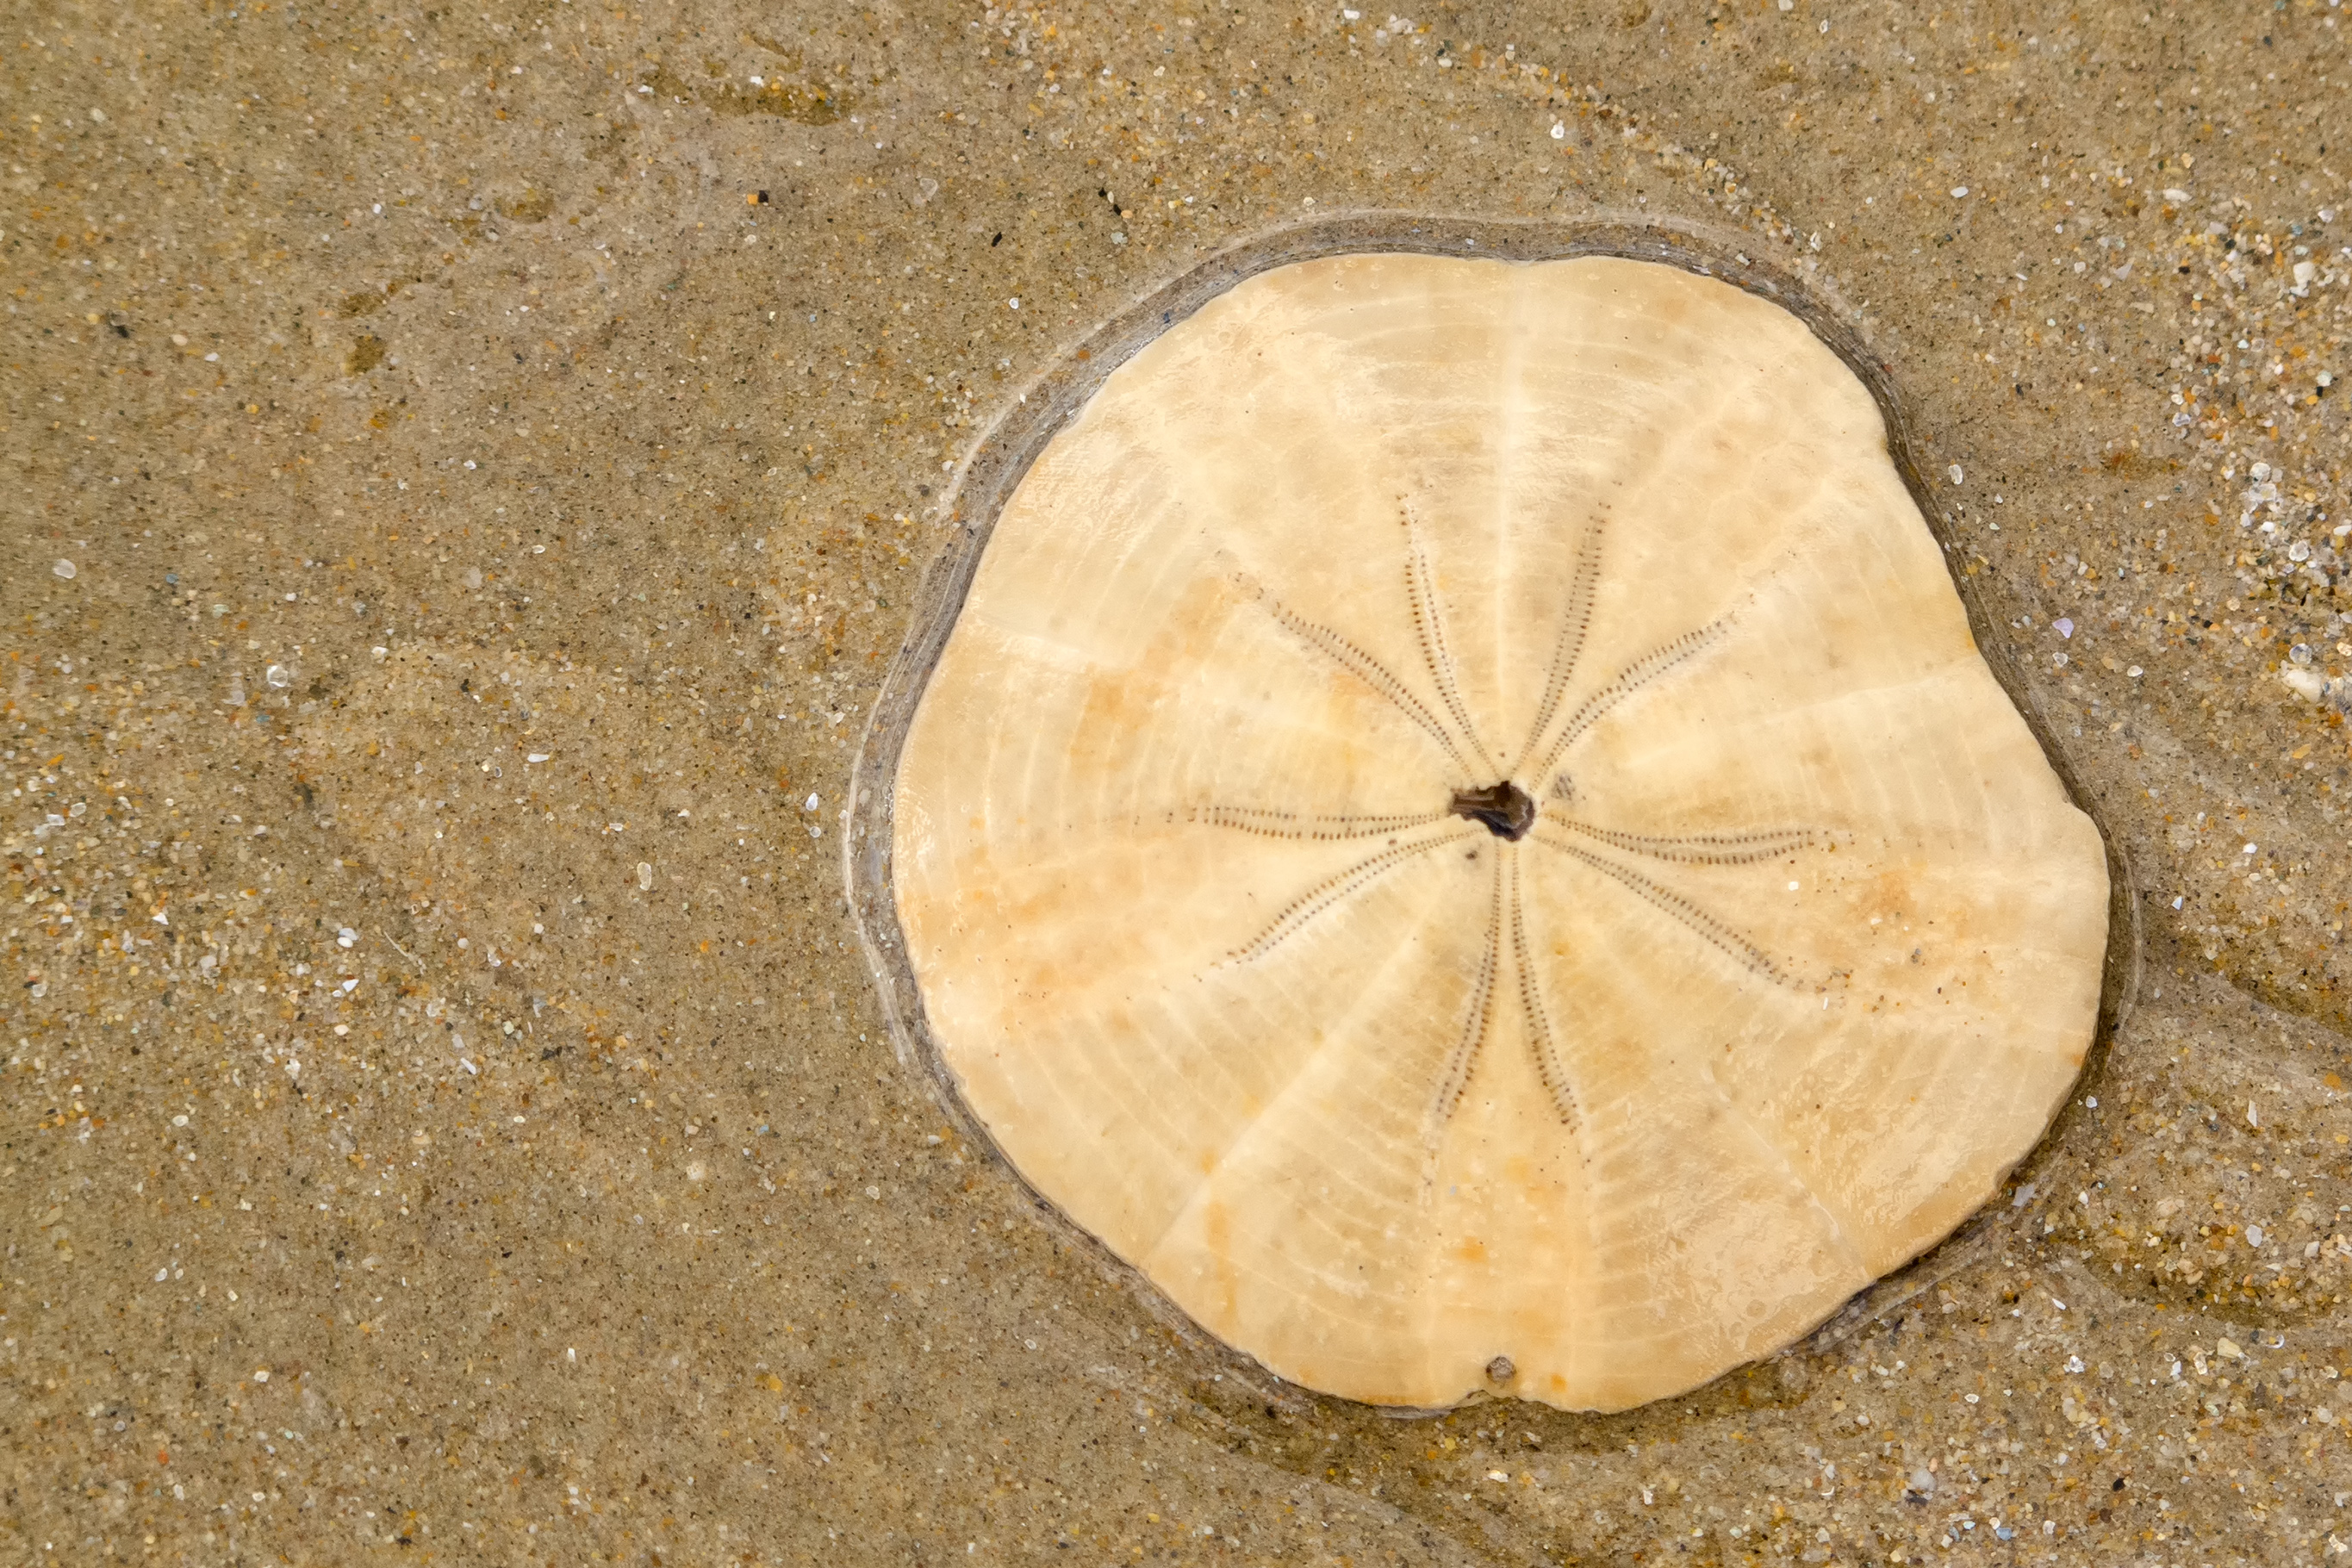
(1504,807)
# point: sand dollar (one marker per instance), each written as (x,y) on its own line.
(1461,829)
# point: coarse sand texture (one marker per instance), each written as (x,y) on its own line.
(1461,831)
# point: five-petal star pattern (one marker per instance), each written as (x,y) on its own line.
(1469,794)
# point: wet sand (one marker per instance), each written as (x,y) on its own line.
(471,477)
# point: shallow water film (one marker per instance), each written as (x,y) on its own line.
(472,476)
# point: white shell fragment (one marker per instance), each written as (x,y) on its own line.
(1461,831)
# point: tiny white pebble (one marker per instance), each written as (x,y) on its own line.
(1793,887)
(811,804)
(1959,191)
(1954,471)
(260,1374)
(64,569)
(1559,132)
(645,875)
(537,756)
(1015,301)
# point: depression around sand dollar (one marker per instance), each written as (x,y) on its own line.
(1460,829)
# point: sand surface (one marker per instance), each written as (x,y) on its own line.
(469,476)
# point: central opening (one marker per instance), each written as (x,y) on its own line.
(1504,808)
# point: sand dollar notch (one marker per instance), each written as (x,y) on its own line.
(1460,829)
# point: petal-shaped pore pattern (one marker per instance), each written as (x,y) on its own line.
(1460,825)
